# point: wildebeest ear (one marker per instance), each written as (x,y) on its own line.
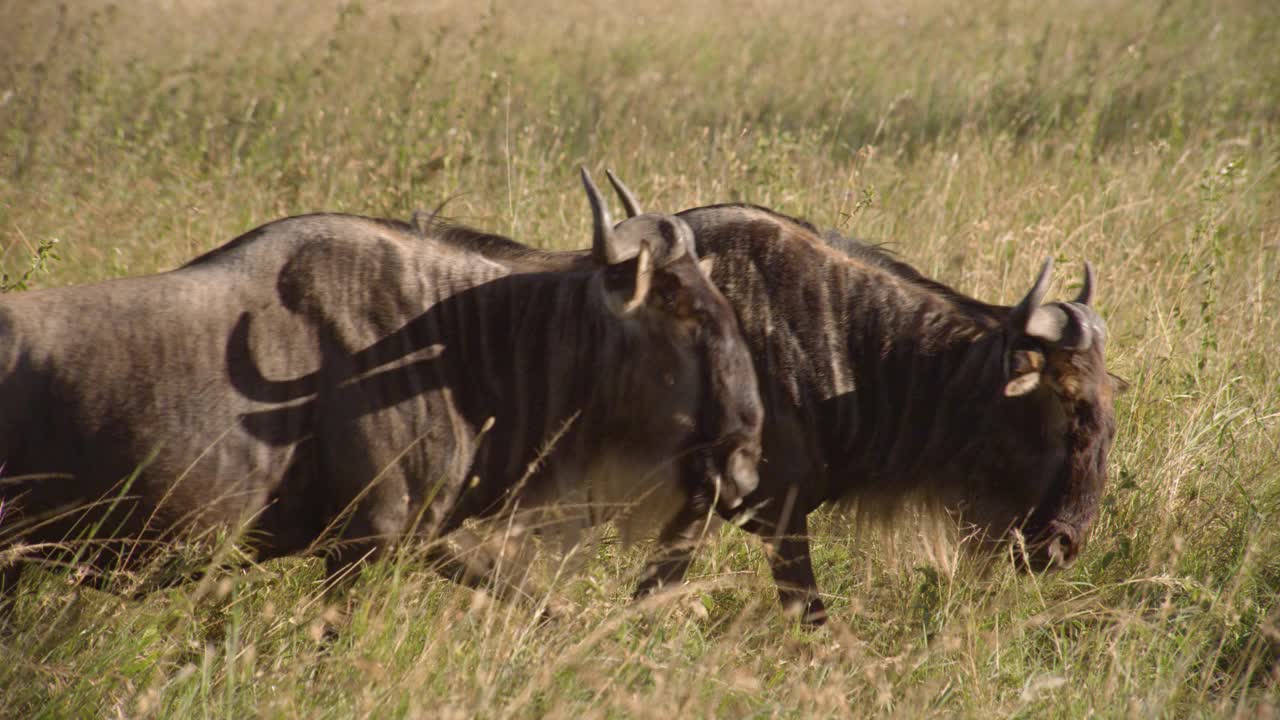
(707,265)
(644,278)
(1022,384)
(1023,373)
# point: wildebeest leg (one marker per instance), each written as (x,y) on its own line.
(342,564)
(375,517)
(676,545)
(358,542)
(463,557)
(9,576)
(793,571)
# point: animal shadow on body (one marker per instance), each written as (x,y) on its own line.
(437,386)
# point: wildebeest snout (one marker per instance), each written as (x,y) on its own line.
(740,470)
(1055,547)
(734,473)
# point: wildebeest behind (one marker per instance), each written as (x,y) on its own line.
(332,375)
(882,387)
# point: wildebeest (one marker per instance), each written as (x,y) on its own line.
(341,376)
(882,386)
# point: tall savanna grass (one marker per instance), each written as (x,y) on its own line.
(974,140)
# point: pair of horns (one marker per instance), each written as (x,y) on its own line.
(605,247)
(1071,326)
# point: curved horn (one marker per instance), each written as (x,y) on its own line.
(1021,313)
(624,194)
(602,245)
(1086,290)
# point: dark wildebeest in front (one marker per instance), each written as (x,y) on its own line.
(340,376)
(883,387)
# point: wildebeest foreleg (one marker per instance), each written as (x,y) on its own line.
(676,545)
(793,572)
(465,557)
(9,576)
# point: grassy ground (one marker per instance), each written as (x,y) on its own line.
(1142,136)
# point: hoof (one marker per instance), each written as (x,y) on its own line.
(808,612)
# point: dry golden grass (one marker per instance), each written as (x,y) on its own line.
(975,140)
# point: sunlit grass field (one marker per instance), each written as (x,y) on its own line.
(974,139)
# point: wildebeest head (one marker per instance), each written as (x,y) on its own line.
(702,379)
(1043,467)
